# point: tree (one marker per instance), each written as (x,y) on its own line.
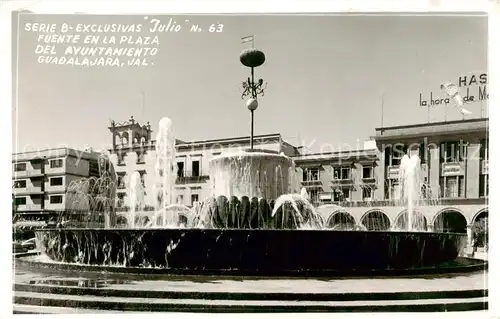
(480,231)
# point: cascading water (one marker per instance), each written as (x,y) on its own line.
(166,170)
(136,196)
(410,182)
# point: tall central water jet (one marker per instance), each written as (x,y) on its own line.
(410,181)
(166,170)
(136,195)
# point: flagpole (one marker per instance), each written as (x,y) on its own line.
(382,116)
(143,94)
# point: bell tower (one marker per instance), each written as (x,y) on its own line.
(129,134)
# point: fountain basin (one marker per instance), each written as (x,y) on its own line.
(252,173)
(251,252)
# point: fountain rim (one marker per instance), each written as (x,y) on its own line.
(395,232)
(479,265)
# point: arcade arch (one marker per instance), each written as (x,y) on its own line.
(480,216)
(480,228)
(376,220)
(121,221)
(419,221)
(341,220)
(450,221)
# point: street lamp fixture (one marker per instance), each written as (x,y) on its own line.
(252,58)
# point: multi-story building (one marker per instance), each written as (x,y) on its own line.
(41,180)
(361,187)
(134,150)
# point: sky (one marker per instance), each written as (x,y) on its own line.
(328,79)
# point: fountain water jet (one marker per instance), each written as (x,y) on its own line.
(166,168)
(136,196)
(410,181)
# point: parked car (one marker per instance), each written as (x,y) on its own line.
(29,244)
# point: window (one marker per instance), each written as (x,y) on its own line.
(56,181)
(313,196)
(342,173)
(396,153)
(121,200)
(387,156)
(93,168)
(367,172)
(452,186)
(56,163)
(483,153)
(194,199)
(119,182)
(58,199)
(21,167)
(483,186)
(20,184)
(20,201)
(195,168)
(310,174)
(367,193)
(120,159)
(140,157)
(180,169)
(340,195)
(452,152)
(395,191)
(422,153)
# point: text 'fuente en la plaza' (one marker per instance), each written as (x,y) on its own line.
(110,44)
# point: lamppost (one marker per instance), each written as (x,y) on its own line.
(252,58)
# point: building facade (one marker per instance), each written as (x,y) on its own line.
(41,180)
(361,187)
(134,150)
(357,188)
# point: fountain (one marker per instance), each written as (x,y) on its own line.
(255,222)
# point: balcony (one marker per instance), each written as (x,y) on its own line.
(326,197)
(340,182)
(370,180)
(452,169)
(58,206)
(121,186)
(484,167)
(55,188)
(55,170)
(392,172)
(31,172)
(192,179)
(120,162)
(28,207)
(312,183)
(30,189)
